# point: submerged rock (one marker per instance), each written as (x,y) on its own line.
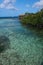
(4,43)
(42,63)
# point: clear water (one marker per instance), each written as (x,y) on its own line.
(26,45)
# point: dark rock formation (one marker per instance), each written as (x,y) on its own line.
(42,63)
(4,43)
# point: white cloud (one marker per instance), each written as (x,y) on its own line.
(2,5)
(8,4)
(9,1)
(38,4)
(6,1)
(13,0)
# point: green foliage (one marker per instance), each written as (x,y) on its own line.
(34,19)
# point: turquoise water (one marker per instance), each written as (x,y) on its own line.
(26,45)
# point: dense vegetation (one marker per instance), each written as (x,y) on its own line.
(33,19)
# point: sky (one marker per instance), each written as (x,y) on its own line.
(18,7)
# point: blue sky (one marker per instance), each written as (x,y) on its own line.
(17,7)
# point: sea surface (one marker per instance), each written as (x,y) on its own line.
(26,44)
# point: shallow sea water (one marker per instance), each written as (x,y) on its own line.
(26,45)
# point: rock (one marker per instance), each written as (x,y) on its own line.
(42,63)
(4,43)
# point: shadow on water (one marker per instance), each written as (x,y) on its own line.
(4,43)
(37,31)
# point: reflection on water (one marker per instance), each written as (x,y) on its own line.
(26,45)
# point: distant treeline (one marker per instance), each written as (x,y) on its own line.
(8,17)
(33,19)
